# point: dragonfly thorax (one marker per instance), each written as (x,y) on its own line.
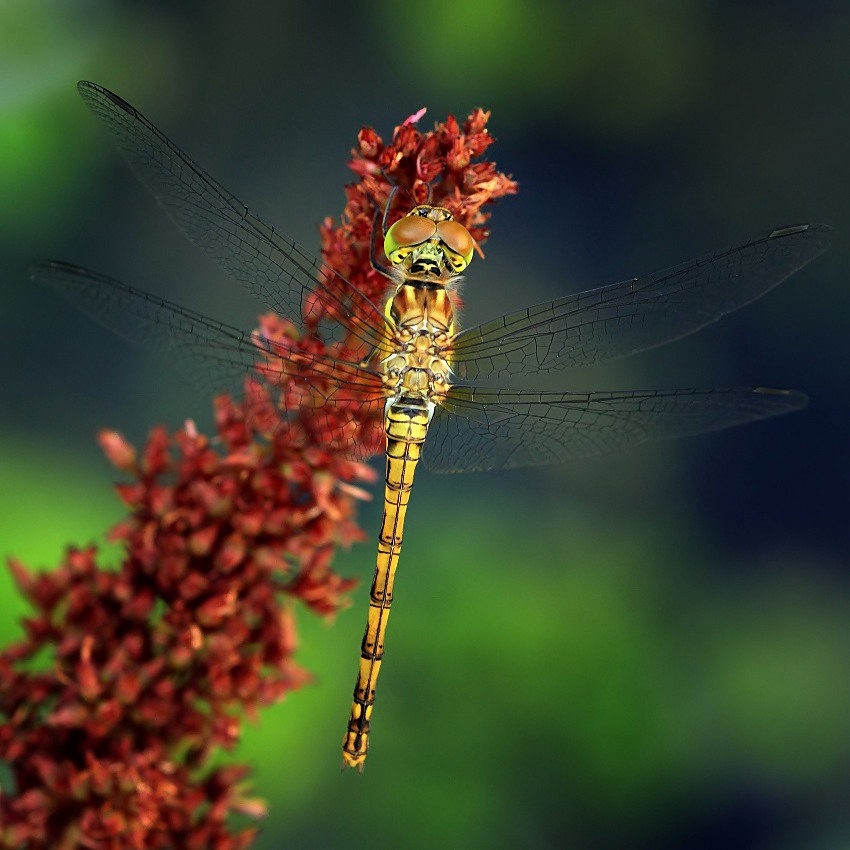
(428,245)
(418,365)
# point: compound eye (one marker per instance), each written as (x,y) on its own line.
(457,237)
(411,230)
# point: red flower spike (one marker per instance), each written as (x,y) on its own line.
(155,663)
(119,452)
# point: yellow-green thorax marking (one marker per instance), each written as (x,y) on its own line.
(428,249)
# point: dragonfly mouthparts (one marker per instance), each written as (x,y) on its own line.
(428,262)
(426,267)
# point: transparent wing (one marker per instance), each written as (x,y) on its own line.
(214,356)
(634,315)
(482,429)
(288,281)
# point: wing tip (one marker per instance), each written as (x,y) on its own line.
(822,230)
(92,92)
(786,399)
(38,269)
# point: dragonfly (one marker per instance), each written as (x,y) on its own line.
(442,393)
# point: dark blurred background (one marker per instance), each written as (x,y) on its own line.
(648,650)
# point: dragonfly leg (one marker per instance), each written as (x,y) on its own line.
(379,227)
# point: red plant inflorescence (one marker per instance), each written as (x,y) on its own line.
(128,679)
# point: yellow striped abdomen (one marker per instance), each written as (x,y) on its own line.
(406,427)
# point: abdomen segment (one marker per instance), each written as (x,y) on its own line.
(406,427)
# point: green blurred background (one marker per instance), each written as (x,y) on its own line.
(648,650)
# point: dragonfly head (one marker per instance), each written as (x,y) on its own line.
(428,244)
